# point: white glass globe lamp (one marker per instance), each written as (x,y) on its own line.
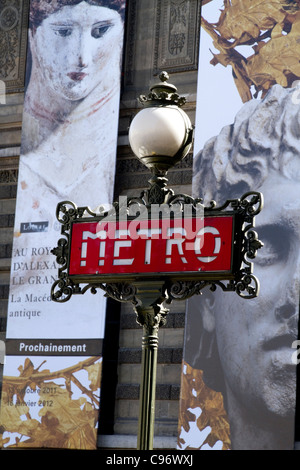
(161,134)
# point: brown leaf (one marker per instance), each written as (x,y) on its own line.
(83,437)
(194,394)
(65,422)
(94,374)
(277,59)
(272,28)
(10,416)
(243,20)
(27,370)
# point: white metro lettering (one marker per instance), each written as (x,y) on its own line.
(199,242)
(85,235)
(148,234)
(122,244)
(163,246)
(175,241)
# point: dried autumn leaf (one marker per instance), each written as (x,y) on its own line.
(3,442)
(194,395)
(27,370)
(271,27)
(43,435)
(11,417)
(244,20)
(276,60)
(83,437)
(59,403)
(64,423)
(94,375)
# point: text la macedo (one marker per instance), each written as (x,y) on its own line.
(31,298)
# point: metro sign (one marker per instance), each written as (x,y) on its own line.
(166,246)
(179,244)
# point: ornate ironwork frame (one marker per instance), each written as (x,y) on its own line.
(178,286)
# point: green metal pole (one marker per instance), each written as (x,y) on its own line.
(147,389)
(151,315)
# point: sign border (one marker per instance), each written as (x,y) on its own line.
(178,285)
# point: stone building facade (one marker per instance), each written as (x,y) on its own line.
(160,35)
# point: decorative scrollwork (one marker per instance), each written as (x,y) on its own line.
(157,193)
(252,244)
(154,318)
(183,290)
(248,287)
(67,212)
(122,292)
(61,251)
(252,203)
(61,290)
(64,214)
(248,206)
(8,18)
(163,93)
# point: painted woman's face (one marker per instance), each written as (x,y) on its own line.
(75,47)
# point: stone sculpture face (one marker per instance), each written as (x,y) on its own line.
(253,339)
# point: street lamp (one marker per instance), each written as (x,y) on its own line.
(221,249)
(161,134)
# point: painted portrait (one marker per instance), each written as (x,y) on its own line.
(68,153)
(69,122)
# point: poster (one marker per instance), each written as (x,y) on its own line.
(238,389)
(52,373)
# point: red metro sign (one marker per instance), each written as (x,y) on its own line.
(151,247)
(180,245)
